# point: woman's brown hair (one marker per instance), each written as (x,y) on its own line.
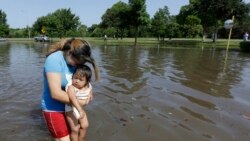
(79,49)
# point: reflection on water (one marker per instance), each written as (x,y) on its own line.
(145,94)
(21,86)
(200,102)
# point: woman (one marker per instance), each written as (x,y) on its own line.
(60,63)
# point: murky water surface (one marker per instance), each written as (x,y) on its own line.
(145,94)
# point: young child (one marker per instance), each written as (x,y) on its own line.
(79,92)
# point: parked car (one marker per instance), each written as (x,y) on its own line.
(2,39)
(42,38)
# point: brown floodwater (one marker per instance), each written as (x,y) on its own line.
(145,94)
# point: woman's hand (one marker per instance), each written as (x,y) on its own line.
(90,98)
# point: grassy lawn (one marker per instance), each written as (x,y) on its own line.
(175,42)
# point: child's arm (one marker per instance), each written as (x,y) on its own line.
(74,101)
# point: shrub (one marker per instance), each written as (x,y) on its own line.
(245,46)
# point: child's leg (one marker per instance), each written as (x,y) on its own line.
(74,126)
(83,127)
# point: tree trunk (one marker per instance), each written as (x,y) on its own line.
(203,36)
(117,33)
(122,32)
(214,36)
(136,34)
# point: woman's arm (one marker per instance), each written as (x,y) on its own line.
(54,82)
(89,99)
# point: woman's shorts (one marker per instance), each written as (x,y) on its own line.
(56,123)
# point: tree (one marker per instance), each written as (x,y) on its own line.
(172,30)
(116,17)
(214,12)
(92,28)
(82,31)
(159,22)
(58,23)
(4,27)
(138,16)
(3,19)
(95,31)
(185,11)
(192,27)
(98,32)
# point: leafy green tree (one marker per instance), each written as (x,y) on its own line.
(242,26)
(185,11)
(4,27)
(98,32)
(13,33)
(19,33)
(4,30)
(82,31)
(138,16)
(67,20)
(3,19)
(38,24)
(173,30)
(116,17)
(92,28)
(213,13)
(111,32)
(57,23)
(192,27)
(71,33)
(145,31)
(27,32)
(159,22)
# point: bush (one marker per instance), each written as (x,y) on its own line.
(245,46)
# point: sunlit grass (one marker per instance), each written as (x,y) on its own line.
(174,42)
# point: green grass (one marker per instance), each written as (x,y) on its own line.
(175,42)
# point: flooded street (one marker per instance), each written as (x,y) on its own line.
(145,94)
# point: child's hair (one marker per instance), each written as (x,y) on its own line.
(83,71)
